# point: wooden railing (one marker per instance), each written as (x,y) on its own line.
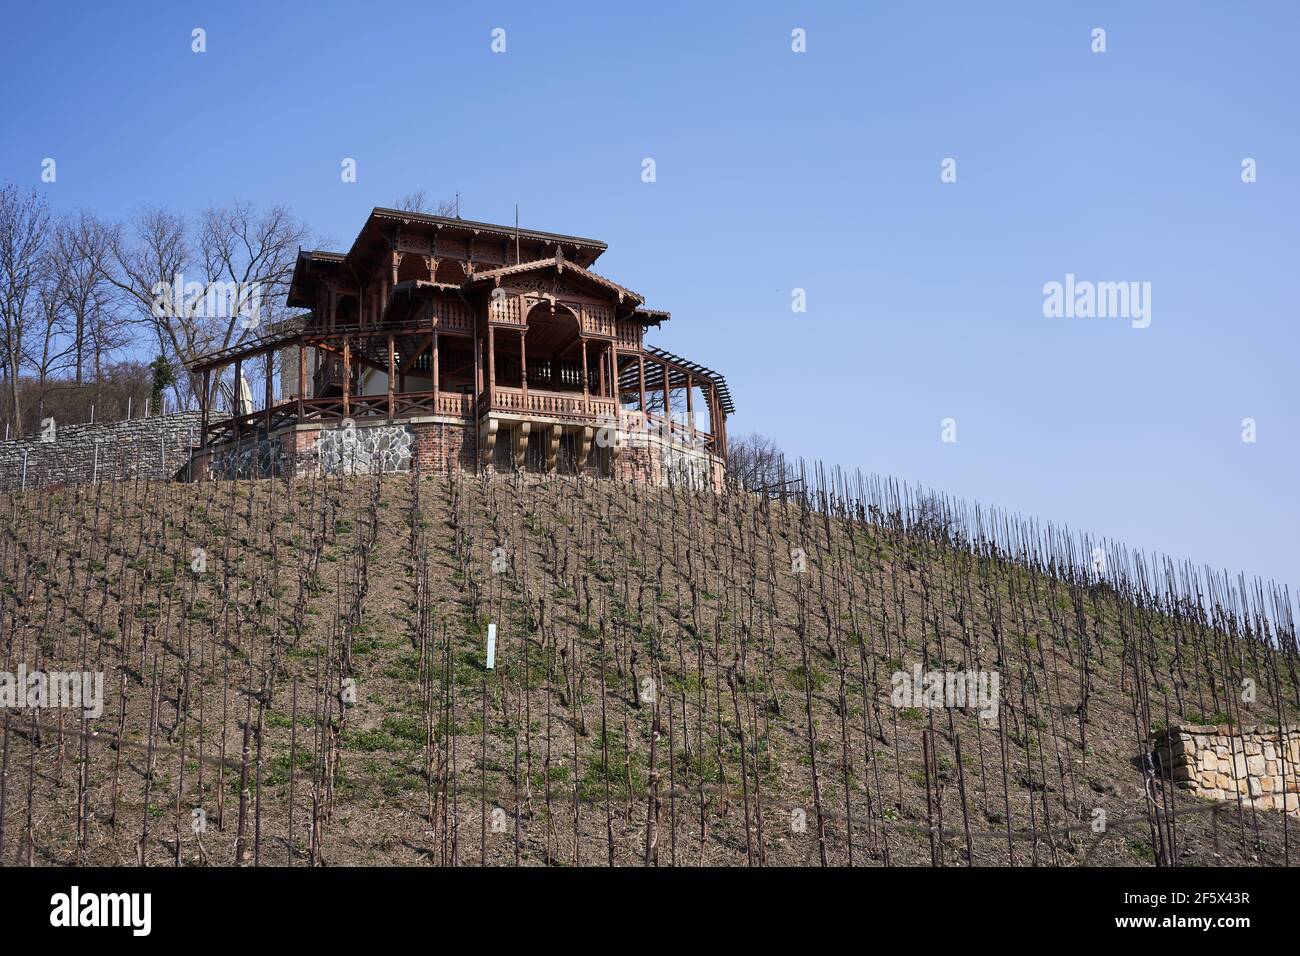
(455,404)
(550,404)
(251,424)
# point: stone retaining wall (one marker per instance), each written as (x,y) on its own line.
(1257,763)
(154,448)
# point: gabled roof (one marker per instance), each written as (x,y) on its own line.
(375,236)
(559,264)
(307,260)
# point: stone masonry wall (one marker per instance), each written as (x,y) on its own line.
(154,448)
(359,449)
(251,458)
(1219,763)
(374,449)
(439,446)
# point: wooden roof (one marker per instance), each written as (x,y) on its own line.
(589,250)
(559,264)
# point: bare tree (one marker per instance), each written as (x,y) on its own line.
(755,463)
(149,254)
(419,202)
(107,334)
(83,246)
(240,262)
(24,232)
(49,353)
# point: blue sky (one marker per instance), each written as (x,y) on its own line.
(777,171)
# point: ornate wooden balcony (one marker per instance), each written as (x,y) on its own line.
(547,404)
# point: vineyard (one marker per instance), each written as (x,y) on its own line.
(295,673)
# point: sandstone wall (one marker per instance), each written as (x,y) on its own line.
(1259,764)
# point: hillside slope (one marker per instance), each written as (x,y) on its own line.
(294,671)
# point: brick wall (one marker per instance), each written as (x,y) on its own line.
(439,443)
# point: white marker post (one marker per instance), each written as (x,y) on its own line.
(492,647)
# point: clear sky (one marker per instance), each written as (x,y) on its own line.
(778,170)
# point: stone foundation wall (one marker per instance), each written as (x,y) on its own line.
(439,446)
(1220,763)
(370,450)
(250,458)
(154,448)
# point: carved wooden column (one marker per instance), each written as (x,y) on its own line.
(690,406)
(492,366)
(302,378)
(433,371)
(523,364)
(586,396)
(711,400)
(616,444)
(347,376)
(645,414)
(487,440)
(392,373)
(270,388)
(718,425)
(203,408)
(238,394)
(519,439)
(553,433)
(584,447)
(613,368)
(668,400)
(478,367)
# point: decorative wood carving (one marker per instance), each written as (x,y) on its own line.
(418,245)
(553,446)
(550,287)
(487,440)
(584,445)
(519,438)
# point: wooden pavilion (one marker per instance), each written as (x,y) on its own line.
(463,345)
